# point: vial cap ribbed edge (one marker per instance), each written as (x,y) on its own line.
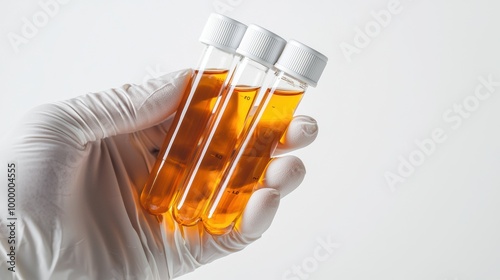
(302,62)
(261,45)
(223,32)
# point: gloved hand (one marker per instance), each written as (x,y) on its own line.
(80,167)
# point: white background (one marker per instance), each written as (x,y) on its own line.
(441,222)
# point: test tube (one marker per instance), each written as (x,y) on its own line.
(298,67)
(221,35)
(260,49)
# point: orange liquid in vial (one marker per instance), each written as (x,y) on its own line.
(199,186)
(219,218)
(182,140)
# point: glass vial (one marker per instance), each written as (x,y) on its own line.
(221,35)
(260,49)
(298,67)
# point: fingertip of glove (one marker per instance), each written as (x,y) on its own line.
(259,213)
(160,96)
(308,125)
(266,198)
(177,75)
(177,79)
(284,174)
(301,132)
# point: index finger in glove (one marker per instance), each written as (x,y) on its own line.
(282,176)
(111,112)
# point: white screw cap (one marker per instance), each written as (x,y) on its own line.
(302,62)
(223,32)
(261,45)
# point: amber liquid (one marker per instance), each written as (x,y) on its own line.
(182,140)
(199,185)
(219,218)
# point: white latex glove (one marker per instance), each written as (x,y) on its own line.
(80,167)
